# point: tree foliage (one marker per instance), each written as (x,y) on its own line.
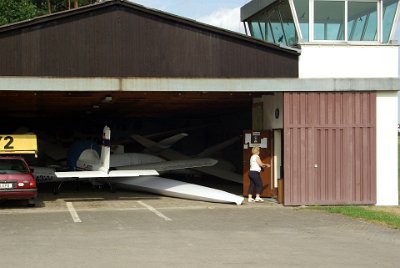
(18,10)
(52,6)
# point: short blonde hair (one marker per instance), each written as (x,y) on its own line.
(255,150)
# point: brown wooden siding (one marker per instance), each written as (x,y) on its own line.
(123,40)
(330,148)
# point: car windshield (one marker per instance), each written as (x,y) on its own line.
(12,166)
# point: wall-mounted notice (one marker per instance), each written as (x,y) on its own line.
(254,139)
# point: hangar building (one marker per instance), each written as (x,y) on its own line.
(335,89)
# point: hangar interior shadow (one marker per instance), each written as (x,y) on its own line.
(63,118)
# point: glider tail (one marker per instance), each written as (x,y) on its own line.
(105,150)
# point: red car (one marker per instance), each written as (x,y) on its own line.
(16,180)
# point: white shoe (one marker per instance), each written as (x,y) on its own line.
(250,200)
(259,199)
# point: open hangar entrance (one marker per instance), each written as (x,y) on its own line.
(62,118)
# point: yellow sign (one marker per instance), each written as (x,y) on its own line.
(18,144)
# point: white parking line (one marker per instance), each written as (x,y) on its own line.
(155,211)
(73,213)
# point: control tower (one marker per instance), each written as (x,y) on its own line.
(338,39)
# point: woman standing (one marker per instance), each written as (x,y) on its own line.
(254,174)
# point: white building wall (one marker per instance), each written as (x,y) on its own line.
(348,61)
(386,149)
(271,104)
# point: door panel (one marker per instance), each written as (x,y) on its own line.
(329,154)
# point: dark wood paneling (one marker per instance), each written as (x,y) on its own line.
(329,146)
(122,40)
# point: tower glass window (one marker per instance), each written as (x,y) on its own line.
(389,12)
(323,20)
(329,20)
(274,24)
(362,21)
(302,11)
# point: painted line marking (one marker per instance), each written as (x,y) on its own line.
(73,213)
(155,211)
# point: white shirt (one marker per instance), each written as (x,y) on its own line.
(254,166)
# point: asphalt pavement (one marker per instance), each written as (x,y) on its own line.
(132,229)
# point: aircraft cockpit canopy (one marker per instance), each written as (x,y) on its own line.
(292,22)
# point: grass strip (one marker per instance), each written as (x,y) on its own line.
(376,216)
